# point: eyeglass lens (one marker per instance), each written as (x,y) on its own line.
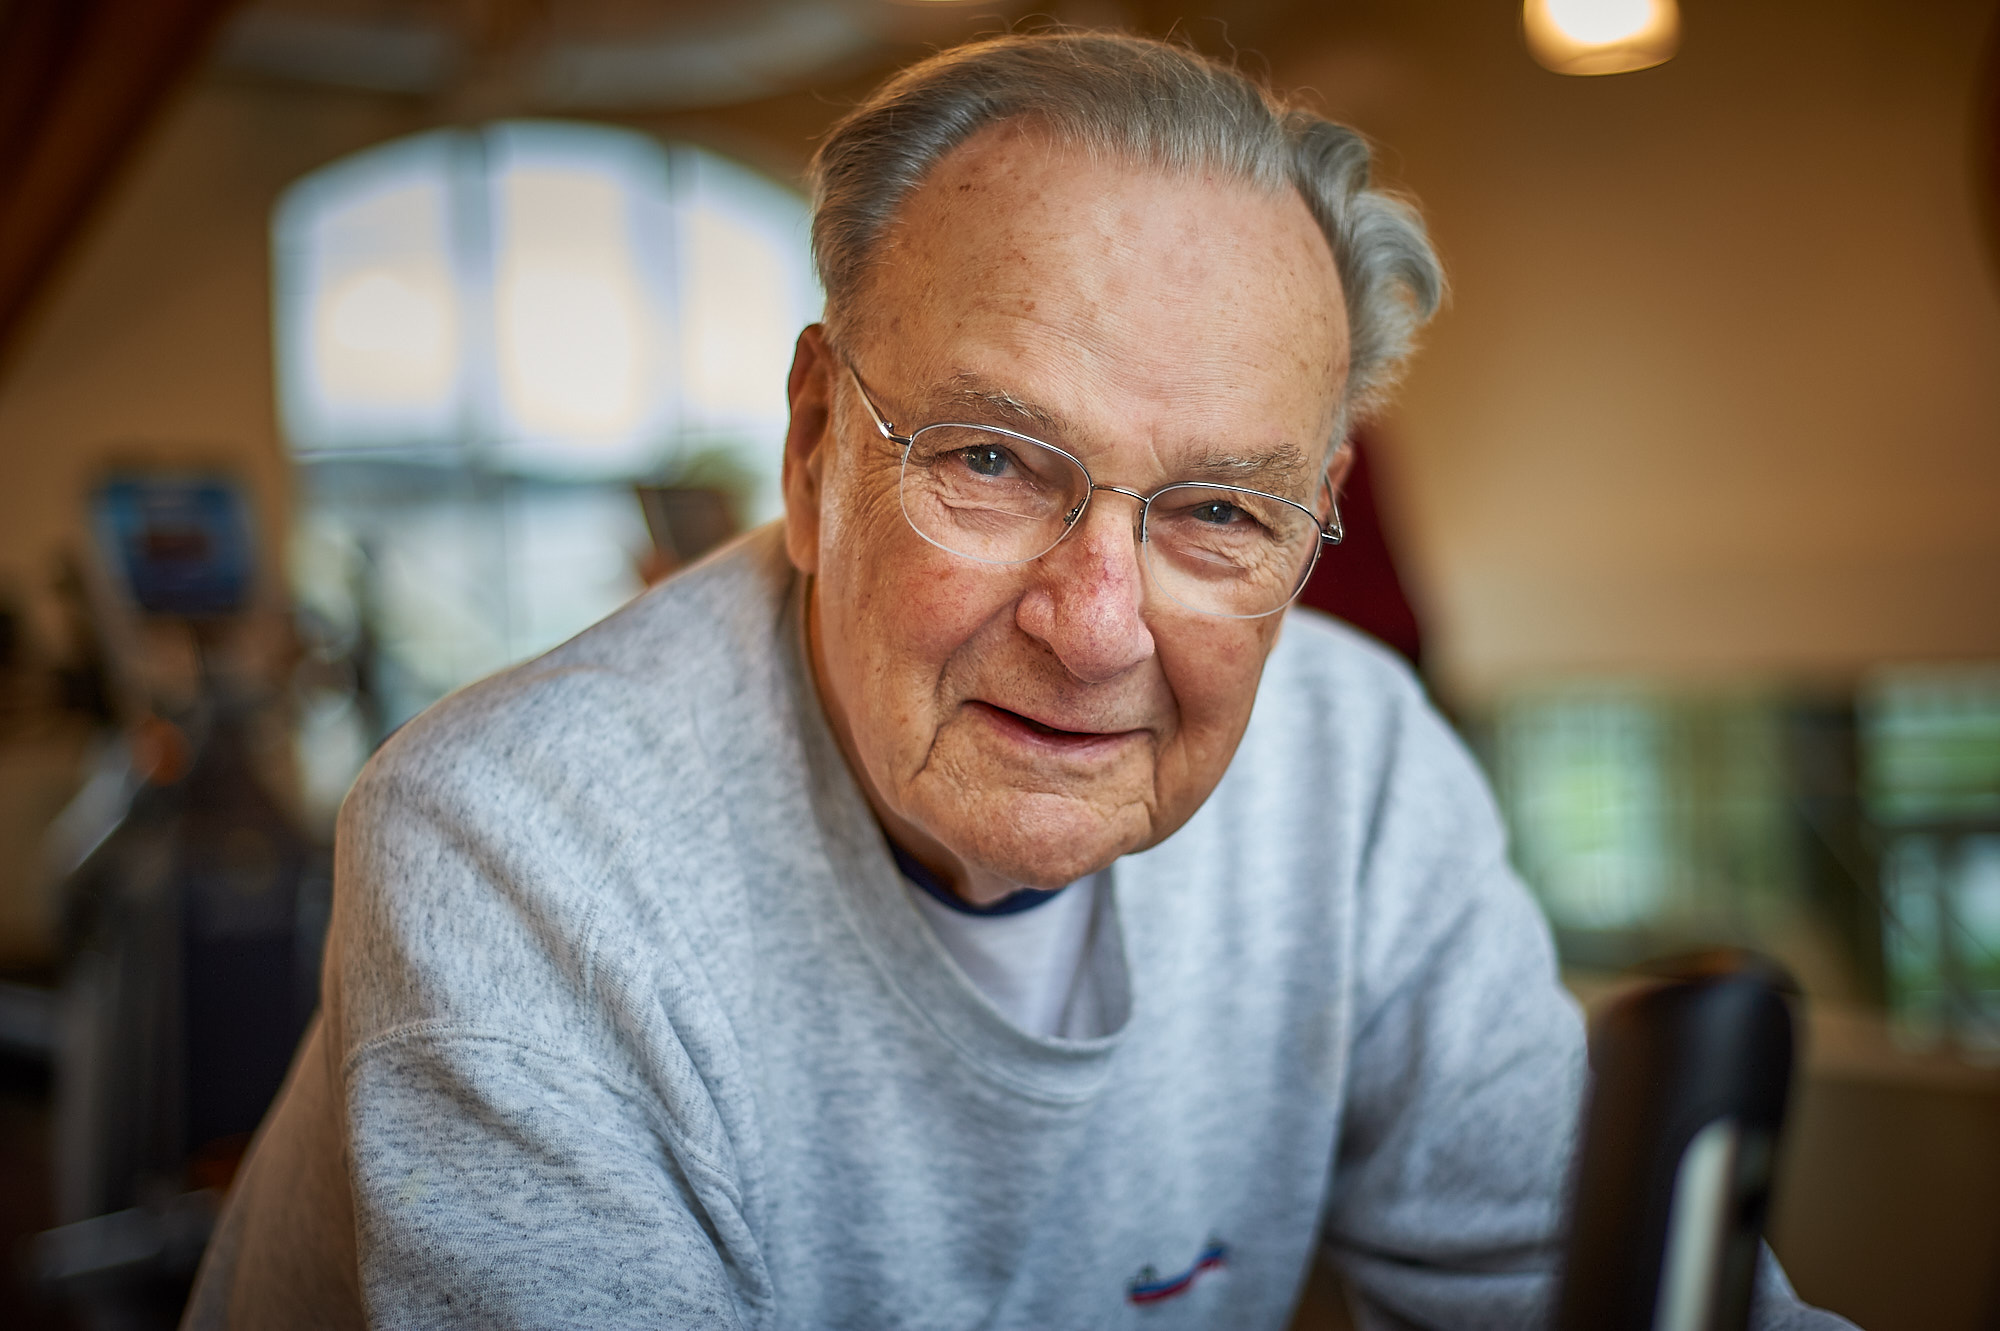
(1002,499)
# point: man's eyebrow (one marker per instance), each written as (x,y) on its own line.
(1276,471)
(968,393)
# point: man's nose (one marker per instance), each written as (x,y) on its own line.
(1088,598)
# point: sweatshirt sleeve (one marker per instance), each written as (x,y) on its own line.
(1467,1071)
(498,1185)
(530,1137)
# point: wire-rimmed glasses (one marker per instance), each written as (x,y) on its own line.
(1001,497)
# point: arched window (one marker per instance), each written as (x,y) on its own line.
(483,338)
(541,297)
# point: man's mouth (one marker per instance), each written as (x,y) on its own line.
(1021,724)
(1040,729)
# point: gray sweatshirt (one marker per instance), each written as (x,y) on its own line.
(629,1020)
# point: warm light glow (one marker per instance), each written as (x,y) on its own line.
(367,281)
(1601,36)
(732,279)
(1600,22)
(568,347)
(570,328)
(398,320)
(744,294)
(384,338)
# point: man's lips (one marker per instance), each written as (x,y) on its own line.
(1031,728)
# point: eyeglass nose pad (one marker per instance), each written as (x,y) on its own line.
(1139,519)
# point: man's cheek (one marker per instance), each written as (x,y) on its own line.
(932,608)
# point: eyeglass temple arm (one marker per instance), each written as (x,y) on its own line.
(887,430)
(1335,531)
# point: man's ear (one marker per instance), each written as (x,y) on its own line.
(1339,465)
(808,444)
(1337,468)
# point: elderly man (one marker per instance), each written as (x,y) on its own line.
(963,906)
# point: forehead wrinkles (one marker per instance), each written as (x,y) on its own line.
(1009,235)
(1073,201)
(1190,286)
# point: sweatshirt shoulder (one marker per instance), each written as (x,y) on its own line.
(624,699)
(1402,811)
(1338,695)
(1344,731)
(558,830)
(602,769)
(1317,647)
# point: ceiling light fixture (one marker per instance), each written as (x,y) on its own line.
(1601,36)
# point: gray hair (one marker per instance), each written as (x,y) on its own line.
(1140,100)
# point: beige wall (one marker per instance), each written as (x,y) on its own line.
(1719,388)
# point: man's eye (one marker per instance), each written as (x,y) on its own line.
(1216,513)
(985,460)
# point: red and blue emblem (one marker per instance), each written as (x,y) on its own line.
(1149,1286)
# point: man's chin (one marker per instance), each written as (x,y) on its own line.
(1043,876)
(1045,841)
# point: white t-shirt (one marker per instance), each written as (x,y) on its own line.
(1035,965)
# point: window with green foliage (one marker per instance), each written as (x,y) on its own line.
(1855,836)
(1931,747)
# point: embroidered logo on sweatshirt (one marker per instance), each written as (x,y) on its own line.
(1149,1286)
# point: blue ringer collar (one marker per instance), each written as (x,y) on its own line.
(1012,904)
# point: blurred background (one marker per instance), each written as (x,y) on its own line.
(353,349)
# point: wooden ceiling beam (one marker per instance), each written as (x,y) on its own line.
(80,83)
